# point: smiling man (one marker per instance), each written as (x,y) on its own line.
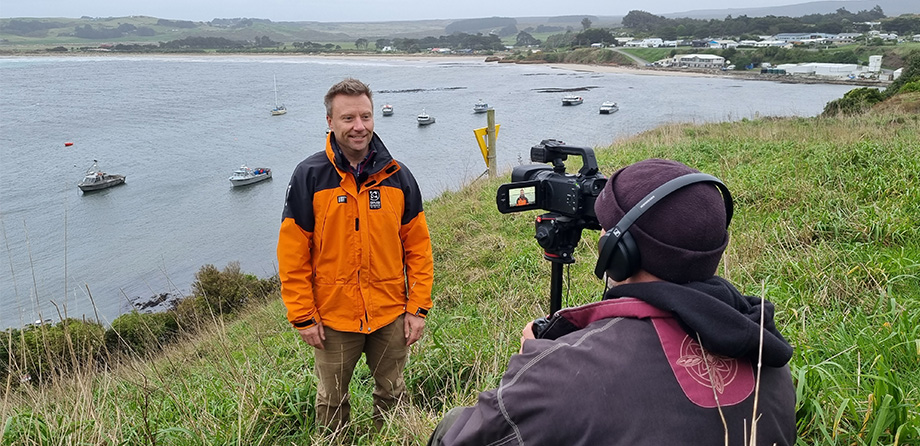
(354,258)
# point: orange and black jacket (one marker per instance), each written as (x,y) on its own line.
(353,253)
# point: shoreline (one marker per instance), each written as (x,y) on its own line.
(742,75)
(587,68)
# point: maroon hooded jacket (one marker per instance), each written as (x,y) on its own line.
(630,370)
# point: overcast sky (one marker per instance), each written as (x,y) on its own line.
(356,10)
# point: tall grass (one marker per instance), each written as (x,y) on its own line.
(827,224)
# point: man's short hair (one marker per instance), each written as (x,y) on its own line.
(349,87)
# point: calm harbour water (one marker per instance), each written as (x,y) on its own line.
(178,126)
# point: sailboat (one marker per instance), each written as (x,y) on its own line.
(279,108)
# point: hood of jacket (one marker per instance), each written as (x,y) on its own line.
(727,322)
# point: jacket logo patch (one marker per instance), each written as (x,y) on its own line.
(707,369)
(342,199)
(374,195)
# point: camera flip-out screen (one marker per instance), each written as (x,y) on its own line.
(519,196)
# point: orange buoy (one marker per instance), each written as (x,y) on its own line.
(68,144)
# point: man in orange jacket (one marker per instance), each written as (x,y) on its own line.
(354,257)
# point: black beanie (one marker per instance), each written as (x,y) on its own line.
(680,238)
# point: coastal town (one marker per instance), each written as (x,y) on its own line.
(862,48)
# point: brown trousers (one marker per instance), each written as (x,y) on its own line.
(386,354)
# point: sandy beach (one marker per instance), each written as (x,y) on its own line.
(588,68)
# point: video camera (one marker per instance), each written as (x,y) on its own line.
(568,198)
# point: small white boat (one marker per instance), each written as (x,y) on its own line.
(480,107)
(247,175)
(425,118)
(572,100)
(96,179)
(387,110)
(279,108)
(609,107)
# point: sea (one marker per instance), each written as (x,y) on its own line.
(177,127)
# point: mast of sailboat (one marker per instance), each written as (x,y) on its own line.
(275,82)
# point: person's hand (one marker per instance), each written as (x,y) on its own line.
(314,335)
(526,333)
(414,327)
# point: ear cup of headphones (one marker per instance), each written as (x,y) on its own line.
(625,259)
(618,258)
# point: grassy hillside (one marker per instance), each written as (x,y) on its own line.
(29,34)
(826,226)
(61,31)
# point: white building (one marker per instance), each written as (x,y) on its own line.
(875,64)
(653,42)
(838,70)
(697,61)
(844,38)
(723,44)
(768,43)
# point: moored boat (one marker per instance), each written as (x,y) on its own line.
(248,175)
(609,107)
(279,108)
(424,118)
(571,99)
(387,110)
(96,179)
(480,107)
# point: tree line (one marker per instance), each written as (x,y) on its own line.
(841,21)
(456,41)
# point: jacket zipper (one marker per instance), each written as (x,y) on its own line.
(361,322)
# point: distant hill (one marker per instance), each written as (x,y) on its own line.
(90,31)
(891,8)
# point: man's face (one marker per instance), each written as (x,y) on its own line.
(352,122)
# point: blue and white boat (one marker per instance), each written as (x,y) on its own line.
(248,175)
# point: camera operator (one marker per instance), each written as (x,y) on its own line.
(669,356)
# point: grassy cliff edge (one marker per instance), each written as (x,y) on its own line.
(827,226)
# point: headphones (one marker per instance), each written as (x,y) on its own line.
(618,256)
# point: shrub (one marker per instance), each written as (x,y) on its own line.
(141,333)
(40,352)
(221,292)
(854,102)
(910,87)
